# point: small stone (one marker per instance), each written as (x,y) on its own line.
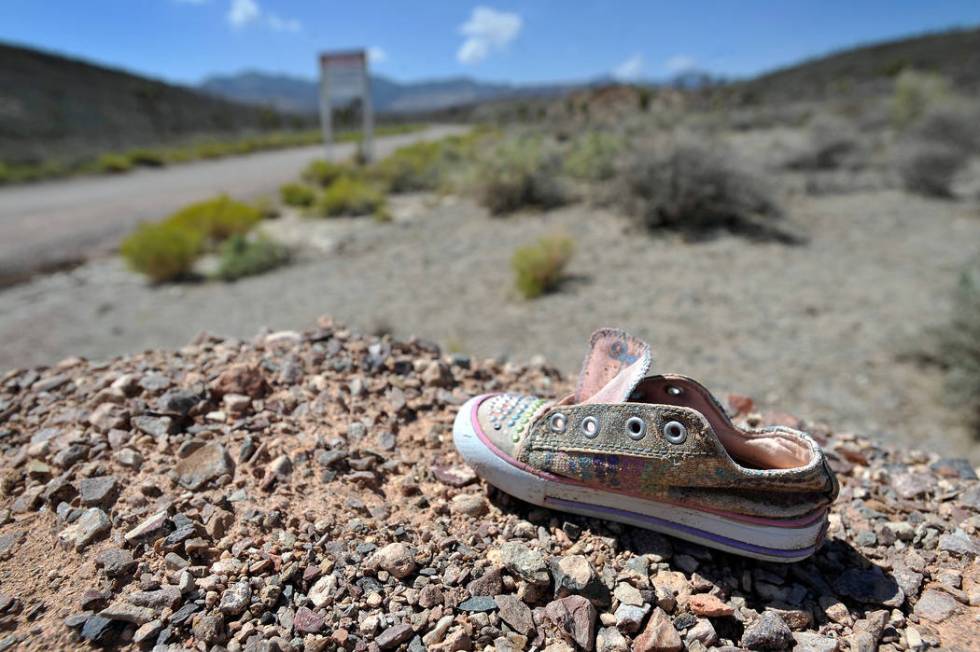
(158,427)
(575,618)
(101,491)
(235,599)
(702,631)
(236,403)
(958,543)
(575,575)
(307,622)
(954,468)
(128,613)
(768,632)
(242,379)
(629,618)
(116,562)
(322,592)
(610,640)
(478,603)
(203,465)
(912,485)
(524,562)
(935,605)
(98,630)
(165,597)
(469,504)
(707,605)
(628,594)
(92,524)
(490,583)
(812,642)
(659,635)
(454,476)
(869,586)
(209,628)
(150,526)
(394,636)
(396,558)
(515,613)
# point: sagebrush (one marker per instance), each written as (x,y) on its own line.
(241,256)
(519,172)
(960,343)
(161,251)
(540,267)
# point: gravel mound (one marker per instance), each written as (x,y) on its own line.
(301,492)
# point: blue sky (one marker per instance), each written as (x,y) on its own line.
(539,40)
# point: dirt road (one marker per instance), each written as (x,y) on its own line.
(52,224)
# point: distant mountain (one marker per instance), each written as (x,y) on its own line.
(55,107)
(299,94)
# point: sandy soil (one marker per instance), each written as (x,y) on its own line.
(828,330)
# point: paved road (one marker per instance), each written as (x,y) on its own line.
(53,224)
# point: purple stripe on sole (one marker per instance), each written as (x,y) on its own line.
(622,513)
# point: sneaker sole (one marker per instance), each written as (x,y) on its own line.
(778,540)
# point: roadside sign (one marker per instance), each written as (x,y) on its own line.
(344,77)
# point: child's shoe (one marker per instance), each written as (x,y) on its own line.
(658,452)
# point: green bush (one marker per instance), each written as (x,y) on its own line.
(113,163)
(688,185)
(518,173)
(297,194)
(241,256)
(351,196)
(216,219)
(411,168)
(832,140)
(960,344)
(914,93)
(592,156)
(323,173)
(161,251)
(151,158)
(538,268)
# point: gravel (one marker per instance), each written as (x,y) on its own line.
(372,548)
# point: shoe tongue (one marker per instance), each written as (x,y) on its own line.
(616,362)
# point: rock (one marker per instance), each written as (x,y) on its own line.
(574,617)
(165,597)
(128,613)
(469,504)
(92,524)
(515,613)
(575,575)
(158,427)
(704,632)
(628,594)
(912,485)
(629,618)
(958,543)
(659,635)
(490,583)
(705,604)
(100,491)
(98,630)
(396,558)
(235,599)
(869,586)
(203,465)
(322,592)
(610,640)
(149,527)
(954,468)
(810,642)
(454,476)
(478,603)
(768,632)
(307,622)
(394,636)
(935,605)
(209,628)
(116,562)
(241,379)
(524,562)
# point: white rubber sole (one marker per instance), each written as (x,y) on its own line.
(759,541)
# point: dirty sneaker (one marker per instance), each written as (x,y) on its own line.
(657,452)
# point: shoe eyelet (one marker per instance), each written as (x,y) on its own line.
(636,428)
(557,422)
(675,432)
(590,427)
(673,390)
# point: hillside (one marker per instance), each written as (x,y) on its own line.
(54,107)
(300,94)
(869,69)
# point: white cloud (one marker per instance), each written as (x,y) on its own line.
(278,24)
(680,64)
(377,55)
(486,31)
(243,12)
(632,68)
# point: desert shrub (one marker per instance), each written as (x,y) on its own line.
(831,140)
(960,343)
(297,194)
(411,168)
(519,172)
(161,251)
(688,185)
(241,256)
(592,156)
(323,173)
(956,125)
(151,158)
(539,267)
(929,168)
(216,219)
(351,196)
(915,92)
(113,163)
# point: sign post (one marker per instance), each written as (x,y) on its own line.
(344,77)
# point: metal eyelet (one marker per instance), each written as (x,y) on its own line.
(673,390)
(675,432)
(557,422)
(590,427)
(636,428)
